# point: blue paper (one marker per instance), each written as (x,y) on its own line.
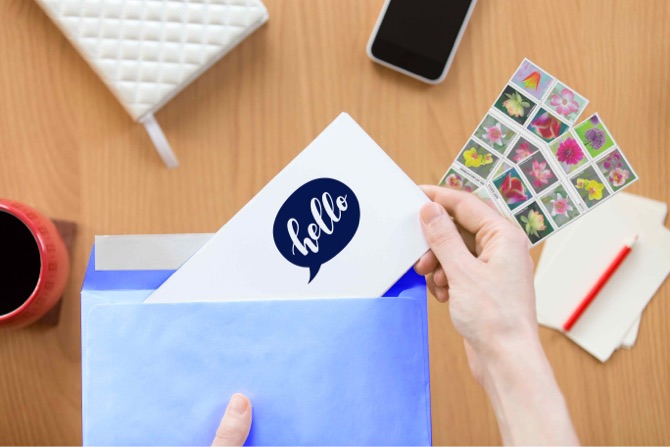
(318,372)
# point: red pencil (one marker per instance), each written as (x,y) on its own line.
(599,285)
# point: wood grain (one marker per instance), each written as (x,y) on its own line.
(68,148)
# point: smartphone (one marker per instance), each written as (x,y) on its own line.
(419,37)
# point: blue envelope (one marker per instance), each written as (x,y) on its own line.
(318,372)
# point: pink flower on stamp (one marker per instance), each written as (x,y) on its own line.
(564,103)
(522,152)
(540,173)
(560,206)
(613,161)
(493,134)
(618,176)
(454,181)
(569,152)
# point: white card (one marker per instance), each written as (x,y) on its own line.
(642,207)
(341,220)
(567,278)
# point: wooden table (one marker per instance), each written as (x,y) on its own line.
(68,148)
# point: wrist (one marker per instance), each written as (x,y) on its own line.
(522,388)
(506,344)
(511,361)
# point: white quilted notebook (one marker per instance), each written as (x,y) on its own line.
(147,51)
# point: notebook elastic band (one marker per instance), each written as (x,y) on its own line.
(160,142)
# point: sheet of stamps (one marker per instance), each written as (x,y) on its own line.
(539,166)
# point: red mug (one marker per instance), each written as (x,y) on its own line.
(34,264)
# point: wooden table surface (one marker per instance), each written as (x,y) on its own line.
(68,148)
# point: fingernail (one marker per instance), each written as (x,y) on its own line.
(238,404)
(431,212)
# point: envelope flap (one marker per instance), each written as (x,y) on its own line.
(317,371)
(100,280)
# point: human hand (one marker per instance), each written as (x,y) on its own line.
(235,424)
(489,286)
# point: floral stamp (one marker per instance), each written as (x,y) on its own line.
(512,189)
(560,206)
(590,187)
(477,159)
(532,79)
(565,102)
(616,170)
(515,105)
(594,136)
(546,126)
(538,173)
(521,150)
(494,133)
(568,153)
(538,165)
(534,223)
(455,180)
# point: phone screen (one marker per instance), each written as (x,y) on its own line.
(419,35)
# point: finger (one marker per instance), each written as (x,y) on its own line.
(442,294)
(490,204)
(486,198)
(431,285)
(444,239)
(426,264)
(467,209)
(468,238)
(236,423)
(440,278)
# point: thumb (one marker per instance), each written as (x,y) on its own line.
(443,237)
(236,423)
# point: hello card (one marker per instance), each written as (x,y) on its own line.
(341,220)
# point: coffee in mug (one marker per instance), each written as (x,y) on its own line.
(34,264)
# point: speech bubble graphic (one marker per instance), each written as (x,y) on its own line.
(316,222)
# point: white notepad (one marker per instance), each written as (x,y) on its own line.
(344,194)
(147,51)
(577,257)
